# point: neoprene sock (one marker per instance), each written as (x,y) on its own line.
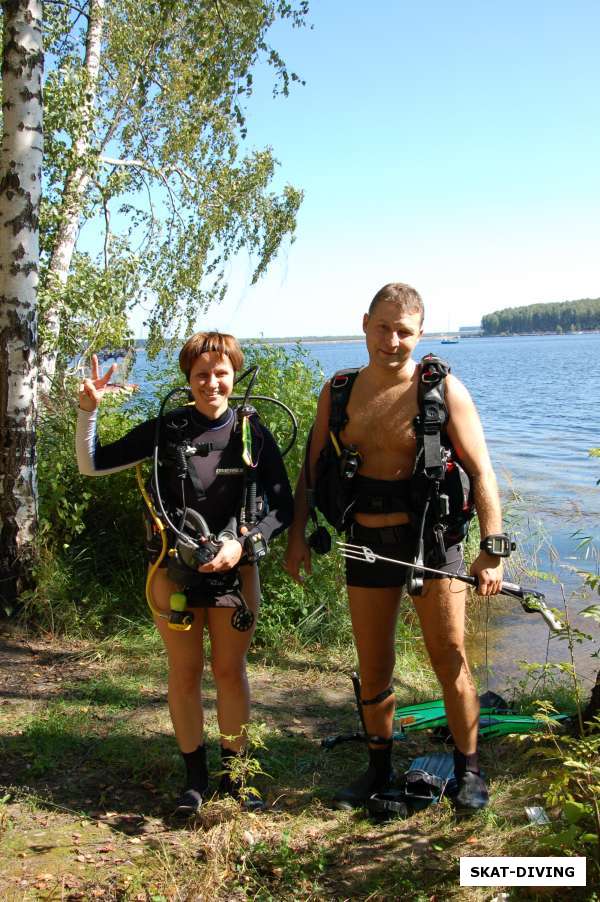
(377,778)
(196,769)
(196,783)
(472,793)
(463,763)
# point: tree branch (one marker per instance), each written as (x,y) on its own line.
(76,9)
(142,164)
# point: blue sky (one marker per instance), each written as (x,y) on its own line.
(454,146)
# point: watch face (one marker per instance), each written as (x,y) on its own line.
(497,545)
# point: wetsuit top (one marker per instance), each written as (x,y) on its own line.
(221,491)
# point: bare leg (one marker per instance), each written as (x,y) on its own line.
(441,610)
(374,613)
(186,663)
(228,660)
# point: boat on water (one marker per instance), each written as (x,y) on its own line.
(450,340)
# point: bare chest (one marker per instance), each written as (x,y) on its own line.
(381,427)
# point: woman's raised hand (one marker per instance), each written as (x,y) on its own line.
(92,390)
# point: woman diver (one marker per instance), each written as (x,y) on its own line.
(200,478)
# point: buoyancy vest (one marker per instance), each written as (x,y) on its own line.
(437,476)
(222,490)
(193,477)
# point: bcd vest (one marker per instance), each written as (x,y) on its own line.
(437,476)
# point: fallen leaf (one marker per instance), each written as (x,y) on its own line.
(473,840)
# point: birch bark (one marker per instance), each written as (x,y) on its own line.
(76,182)
(20,191)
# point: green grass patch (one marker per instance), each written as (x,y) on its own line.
(109,692)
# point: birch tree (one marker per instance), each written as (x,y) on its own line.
(145,128)
(20,189)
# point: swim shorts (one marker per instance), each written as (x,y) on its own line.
(394,542)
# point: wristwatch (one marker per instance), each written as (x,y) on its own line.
(498,545)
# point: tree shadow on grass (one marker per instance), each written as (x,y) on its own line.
(85,759)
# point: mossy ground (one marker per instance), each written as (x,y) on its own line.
(89,769)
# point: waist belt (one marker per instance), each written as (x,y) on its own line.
(381,535)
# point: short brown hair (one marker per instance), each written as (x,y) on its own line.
(203,342)
(408,299)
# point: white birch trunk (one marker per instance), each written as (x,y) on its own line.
(20,191)
(75,185)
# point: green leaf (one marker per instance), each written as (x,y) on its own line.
(574,811)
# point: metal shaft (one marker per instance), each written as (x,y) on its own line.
(531,600)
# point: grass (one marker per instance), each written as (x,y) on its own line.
(89,769)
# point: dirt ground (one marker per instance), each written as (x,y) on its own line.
(89,770)
(76,830)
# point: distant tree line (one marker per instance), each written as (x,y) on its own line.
(564,316)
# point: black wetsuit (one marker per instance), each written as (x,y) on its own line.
(213,485)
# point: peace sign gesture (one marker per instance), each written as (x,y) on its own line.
(92,390)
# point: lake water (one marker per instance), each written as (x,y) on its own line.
(539,401)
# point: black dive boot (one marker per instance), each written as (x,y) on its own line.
(196,783)
(378,777)
(232,786)
(471,793)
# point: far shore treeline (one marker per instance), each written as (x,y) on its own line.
(559,317)
(564,316)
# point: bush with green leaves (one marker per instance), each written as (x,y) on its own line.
(90,571)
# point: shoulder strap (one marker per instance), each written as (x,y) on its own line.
(341,386)
(250,502)
(433,414)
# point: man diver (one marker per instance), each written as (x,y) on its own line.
(380,412)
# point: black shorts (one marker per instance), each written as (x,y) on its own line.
(394,542)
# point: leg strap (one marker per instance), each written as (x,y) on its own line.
(378,698)
(380,741)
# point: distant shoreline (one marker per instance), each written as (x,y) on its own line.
(346,339)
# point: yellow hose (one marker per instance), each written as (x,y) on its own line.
(335,444)
(163,535)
